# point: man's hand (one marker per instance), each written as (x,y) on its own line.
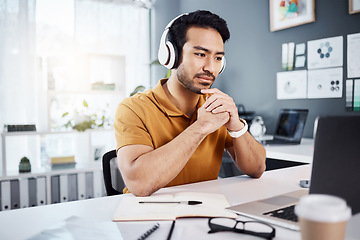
(248,154)
(211,122)
(220,102)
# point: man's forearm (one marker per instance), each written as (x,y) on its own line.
(249,155)
(155,169)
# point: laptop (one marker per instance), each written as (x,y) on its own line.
(290,127)
(335,171)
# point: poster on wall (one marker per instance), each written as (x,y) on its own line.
(291,84)
(325,83)
(353,55)
(291,13)
(325,53)
(354,6)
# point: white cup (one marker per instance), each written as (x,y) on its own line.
(322,217)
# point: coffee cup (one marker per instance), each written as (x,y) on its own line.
(322,216)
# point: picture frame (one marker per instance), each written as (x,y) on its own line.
(354,6)
(290,13)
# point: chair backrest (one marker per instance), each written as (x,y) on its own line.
(107,157)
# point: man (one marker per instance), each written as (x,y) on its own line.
(176,133)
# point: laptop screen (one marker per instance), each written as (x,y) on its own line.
(291,124)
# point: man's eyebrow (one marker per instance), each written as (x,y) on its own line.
(207,50)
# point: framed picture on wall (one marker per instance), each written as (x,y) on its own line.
(291,13)
(354,6)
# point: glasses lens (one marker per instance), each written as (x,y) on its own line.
(257,227)
(223,222)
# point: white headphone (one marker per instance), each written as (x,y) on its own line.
(168,54)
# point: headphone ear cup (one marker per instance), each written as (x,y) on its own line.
(223,64)
(173,56)
(163,53)
(167,54)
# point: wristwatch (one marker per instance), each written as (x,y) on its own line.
(236,134)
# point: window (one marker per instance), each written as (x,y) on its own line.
(54,54)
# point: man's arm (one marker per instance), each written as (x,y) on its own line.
(146,170)
(248,154)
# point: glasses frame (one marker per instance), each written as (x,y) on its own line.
(221,228)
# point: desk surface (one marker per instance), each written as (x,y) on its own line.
(239,189)
(302,152)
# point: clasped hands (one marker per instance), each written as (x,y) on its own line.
(219,110)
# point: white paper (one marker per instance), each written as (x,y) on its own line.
(77,228)
(325,83)
(291,56)
(291,85)
(300,49)
(300,61)
(357,95)
(325,53)
(353,55)
(349,94)
(284,56)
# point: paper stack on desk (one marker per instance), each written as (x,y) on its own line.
(213,205)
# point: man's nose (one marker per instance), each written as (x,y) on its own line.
(210,65)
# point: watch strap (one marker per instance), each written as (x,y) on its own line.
(236,134)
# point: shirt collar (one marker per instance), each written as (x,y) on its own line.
(164,102)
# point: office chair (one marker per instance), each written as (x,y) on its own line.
(106,159)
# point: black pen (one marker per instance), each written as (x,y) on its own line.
(171,230)
(148,232)
(177,202)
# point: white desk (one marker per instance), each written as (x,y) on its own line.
(23,223)
(302,152)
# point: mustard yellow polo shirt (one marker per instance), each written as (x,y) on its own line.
(150,118)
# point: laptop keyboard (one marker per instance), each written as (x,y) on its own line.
(287,213)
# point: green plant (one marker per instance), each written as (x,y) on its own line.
(24,165)
(82,120)
(168,72)
(139,88)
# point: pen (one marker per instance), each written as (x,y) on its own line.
(148,232)
(178,202)
(171,230)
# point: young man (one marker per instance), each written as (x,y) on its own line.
(176,133)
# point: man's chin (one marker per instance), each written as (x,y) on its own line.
(204,86)
(198,90)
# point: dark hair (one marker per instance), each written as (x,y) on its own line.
(199,18)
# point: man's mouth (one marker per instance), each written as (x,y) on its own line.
(205,79)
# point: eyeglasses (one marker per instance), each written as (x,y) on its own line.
(254,228)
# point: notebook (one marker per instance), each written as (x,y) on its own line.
(290,127)
(335,171)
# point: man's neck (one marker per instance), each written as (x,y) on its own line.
(184,99)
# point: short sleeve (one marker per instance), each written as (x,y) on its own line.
(129,127)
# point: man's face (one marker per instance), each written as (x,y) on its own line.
(200,62)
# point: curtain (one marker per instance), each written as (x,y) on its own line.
(18,85)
